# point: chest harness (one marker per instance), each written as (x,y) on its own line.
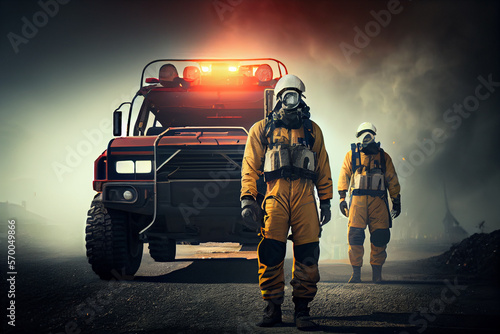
(297,161)
(372,182)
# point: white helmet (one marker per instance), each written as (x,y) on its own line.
(289,90)
(366,133)
(366,127)
(289,81)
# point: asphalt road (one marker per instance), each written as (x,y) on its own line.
(213,289)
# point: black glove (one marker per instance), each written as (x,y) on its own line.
(326,213)
(251,213)
(343,207)
(396,207)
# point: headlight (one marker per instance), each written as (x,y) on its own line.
(119,193)
(132,167)
(127,195)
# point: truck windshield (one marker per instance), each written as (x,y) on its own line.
(207,107)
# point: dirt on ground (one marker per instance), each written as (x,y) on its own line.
(476,257)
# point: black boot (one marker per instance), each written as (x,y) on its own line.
(356,275)
(376,273)
(272,314)
(302,318)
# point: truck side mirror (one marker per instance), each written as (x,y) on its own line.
(117,123)
(268,101)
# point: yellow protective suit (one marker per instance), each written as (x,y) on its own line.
(368,210)
(287,204)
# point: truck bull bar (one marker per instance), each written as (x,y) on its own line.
(156,168)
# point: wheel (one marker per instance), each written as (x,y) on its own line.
(162,249)
(113,246)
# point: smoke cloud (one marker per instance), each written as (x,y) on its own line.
(408,71)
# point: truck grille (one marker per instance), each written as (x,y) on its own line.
(191,163)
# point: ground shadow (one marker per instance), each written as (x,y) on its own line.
(393,318)
(448,323)
(210,271)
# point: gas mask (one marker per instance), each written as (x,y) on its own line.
(290,99)
(368,144)
(290,109)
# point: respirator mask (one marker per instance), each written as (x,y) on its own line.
(289,109)
(290,99)
(368,144)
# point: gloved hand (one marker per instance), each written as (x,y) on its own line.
(326,213)
(396,206)
(251,213)
(343,207)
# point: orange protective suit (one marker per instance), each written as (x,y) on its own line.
(368,209)
(289,203)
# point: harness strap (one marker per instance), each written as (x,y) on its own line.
(268,132)
(356,156)
(382,161)
(291,173)
(309,138)
(370,192)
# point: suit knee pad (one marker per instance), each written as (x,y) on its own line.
(381,237)
(356,236)
(271,252)
(307,254)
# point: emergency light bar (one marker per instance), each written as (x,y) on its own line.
(260,68)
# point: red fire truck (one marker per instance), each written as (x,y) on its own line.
(174,176)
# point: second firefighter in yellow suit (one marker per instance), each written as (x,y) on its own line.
(288,149)
(367,174)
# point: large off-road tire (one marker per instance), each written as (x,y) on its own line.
(113,246)
(162,249)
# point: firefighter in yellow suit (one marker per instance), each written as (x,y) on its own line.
(367,174)
(287,149)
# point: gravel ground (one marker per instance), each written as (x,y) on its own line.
(213,289)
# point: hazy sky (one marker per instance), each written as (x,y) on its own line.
(401,65)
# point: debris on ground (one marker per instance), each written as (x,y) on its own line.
(476,256)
